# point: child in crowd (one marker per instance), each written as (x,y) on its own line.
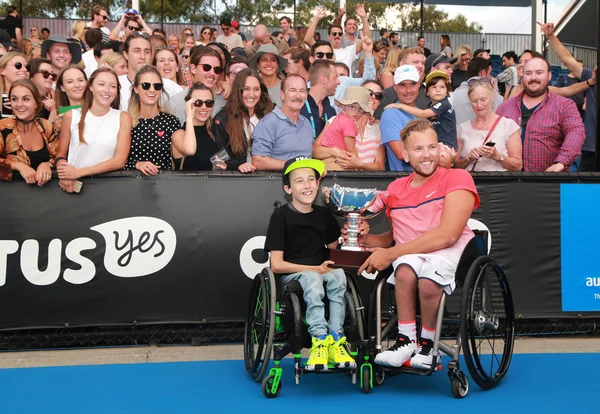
(439,111)
(343,130)
(297,235)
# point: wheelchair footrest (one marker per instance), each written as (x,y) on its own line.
(330,370)
(407,369)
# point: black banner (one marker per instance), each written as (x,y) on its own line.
(183,248)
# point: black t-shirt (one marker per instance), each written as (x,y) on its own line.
(459,76)
(205,148)
(445,122)
(302,237)
(525,115)
(10,23)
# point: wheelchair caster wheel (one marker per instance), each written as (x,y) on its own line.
(366,379)
(378,375)
(460,386)
(267,387)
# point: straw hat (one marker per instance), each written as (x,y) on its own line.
(356,94)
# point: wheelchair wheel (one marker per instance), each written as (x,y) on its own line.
(358,309)
(260,325)
(267,387)
(487,329)
(389,316)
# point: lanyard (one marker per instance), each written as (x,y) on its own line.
(312,119)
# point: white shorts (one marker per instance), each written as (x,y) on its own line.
(429,266)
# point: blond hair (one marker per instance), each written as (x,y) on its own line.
(111,59)
(416,125)
(78,30)
(460,51)
(393,59)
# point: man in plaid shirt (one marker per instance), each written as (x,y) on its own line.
(551,127)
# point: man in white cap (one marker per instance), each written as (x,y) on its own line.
(406,84)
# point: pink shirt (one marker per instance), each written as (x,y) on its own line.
(417,210)
(341,126)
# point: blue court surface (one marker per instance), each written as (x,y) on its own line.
(538,383)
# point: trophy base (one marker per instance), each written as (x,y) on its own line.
(348,259)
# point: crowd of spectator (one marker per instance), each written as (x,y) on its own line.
(141,99)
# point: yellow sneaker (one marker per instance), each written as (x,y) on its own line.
(338,353)
(317,361)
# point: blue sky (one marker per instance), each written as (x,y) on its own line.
(505,19)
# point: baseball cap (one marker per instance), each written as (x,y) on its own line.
(436,59)
(235,25)
(303,162)
(406,72)
(478,51)
(436,74)
(131,11)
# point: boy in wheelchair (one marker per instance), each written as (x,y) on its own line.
(429,210)
(297,235)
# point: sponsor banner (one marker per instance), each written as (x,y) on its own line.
(184,248)
(579,230)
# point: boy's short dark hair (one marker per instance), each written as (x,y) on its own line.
(301,162)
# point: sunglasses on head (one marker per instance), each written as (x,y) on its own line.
(199,102)
(133,28)
(321,55)
(46,74)
(19,65)
(337,33)
(140,34)
(206,68)
(146,85)
(480,81)
(377,95)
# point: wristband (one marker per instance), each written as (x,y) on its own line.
(58,159)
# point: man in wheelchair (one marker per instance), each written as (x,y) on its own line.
(297,235)
(429,210)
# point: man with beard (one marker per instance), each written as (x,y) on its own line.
(551,129)
(284,133)
(429,210)
(323,83)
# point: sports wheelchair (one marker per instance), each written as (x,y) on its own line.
(275,314)
(486,320)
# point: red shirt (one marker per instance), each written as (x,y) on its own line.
(417,210)
(554,133)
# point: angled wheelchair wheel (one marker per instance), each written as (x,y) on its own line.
(358,307)
(487,330)
(259,328)
(389,316)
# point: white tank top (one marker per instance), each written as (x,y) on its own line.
(100,134)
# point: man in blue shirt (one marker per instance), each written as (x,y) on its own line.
(588,161)
(406,85)
(284,133)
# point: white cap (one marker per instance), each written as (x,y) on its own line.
(406,72)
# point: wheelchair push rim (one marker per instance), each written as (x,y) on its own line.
(259,328)
(487,325)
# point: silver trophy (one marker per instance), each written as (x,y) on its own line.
(352,204)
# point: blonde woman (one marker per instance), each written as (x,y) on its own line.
(36,36)
(156,133)
(78,32)
(464,54)
(13,66)
(116,61)
(27,48)
(391,64)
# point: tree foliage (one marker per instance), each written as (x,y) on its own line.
(435,20)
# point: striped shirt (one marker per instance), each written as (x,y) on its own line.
(554,132)
(368,144)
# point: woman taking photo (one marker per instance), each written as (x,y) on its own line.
(96,138)
(70,87)
(13,66)
(167,63)
(489,142)
(248,103)
(155,131)
(201,101)
(269,65)
(29,144)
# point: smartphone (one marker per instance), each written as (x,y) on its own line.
(77,186)
(490,144)
(6,112)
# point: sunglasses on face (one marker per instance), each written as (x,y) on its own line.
(146,85)
(480,81)
(199,102)
(321,55)
(336,34)
(19,65)
(133,28)
(47,74)
(206,68)
(103,17)
(185,56)
(377,95)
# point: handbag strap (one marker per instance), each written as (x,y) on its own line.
(488,137)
